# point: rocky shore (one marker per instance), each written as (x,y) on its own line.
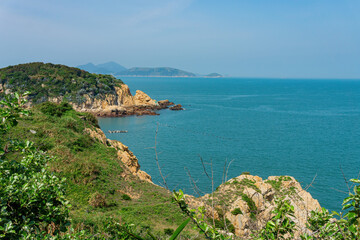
(121,104)
(246,202)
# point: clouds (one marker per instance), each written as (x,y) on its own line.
(243,38)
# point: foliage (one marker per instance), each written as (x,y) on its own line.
(97,200)
(198,217)
(126,197)
(224,224)
(11,109)
(94,167)
(53,109)
(324,226)
(54,80)
(251,204)
(32,199)
(168,231)
(236,211)
(280,226)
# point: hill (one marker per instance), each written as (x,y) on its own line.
(47,80)
(214,75)
(103,179)
(104,68)
(103,95)
(155,72)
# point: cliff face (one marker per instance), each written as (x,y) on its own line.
(102,95)
(118,104)
(123,153)
(253,200)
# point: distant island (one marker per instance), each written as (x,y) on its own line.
(104,68)
(118,70)
(155,72)
(214,75)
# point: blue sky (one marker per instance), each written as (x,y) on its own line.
(246,38)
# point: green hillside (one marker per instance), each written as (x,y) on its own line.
(95,185)
(45,80)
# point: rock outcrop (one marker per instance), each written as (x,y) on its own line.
(248,201)
(124,154)
(117,105)
(176,107)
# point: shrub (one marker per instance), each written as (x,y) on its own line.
(91,119)
(168,231)
(32,199)
(97,200)
(224,225)
(53,109)
(126,197)
(236,211)
(80,143)
(251,205)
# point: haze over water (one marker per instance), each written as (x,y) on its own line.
(301,128)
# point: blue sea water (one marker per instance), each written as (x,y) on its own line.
(301,128)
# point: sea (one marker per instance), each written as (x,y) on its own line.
(308,129)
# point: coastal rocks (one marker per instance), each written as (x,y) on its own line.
(142,99)
(124,154)
(176,107)
(248,201)
(116,105)
(165,103)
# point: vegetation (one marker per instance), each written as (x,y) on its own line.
(53,80)
(83,183)
(251,205)
(280,226)
(57,182)
(236,211)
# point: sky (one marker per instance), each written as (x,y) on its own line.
(243,38)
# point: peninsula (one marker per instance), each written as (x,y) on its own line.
(101,95)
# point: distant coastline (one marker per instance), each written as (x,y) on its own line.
(118,70)
(158,76)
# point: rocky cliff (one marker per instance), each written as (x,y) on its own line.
(123,153)
(103,95)
(121,103)
(247,202)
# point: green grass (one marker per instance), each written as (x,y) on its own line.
(92,168)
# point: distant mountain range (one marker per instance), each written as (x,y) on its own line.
(156,72)
(120,71)
(104,68)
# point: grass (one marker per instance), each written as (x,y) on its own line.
(93,173)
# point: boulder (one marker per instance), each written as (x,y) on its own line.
(176,107)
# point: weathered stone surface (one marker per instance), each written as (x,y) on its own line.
(176,107)
(229,196)
(142,99)
(124,154)
(165,103)
(116,105)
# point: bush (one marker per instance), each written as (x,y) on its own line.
(32,199)
(224,225)
(91,119)
(53,109)
(80,143)
(168,231)
(126,197)
(97,200)
(236,211)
